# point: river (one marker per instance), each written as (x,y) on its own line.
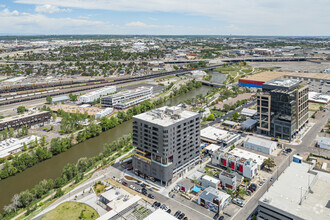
(52,168)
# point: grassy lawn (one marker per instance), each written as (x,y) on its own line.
(71,210)
(314,106)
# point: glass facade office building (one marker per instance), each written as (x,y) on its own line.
(282,108)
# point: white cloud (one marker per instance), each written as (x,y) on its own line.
(140,24)
(50,9)
(26,23)
(2,6)
(281,17)
(6,12)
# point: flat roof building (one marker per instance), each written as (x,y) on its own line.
(125,99)
(324,143)
(213,199)
(103,113)
(318,97)
(299,193)
(28,119)
(91,96)
(60,99)
(249,124)
(259,144)
(167,142)
(14,145)
(218,136)
(249,112)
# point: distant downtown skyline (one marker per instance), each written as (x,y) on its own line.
(166,17)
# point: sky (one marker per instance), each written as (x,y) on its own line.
(166,17)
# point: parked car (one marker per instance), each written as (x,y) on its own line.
(177,213)
(221,217)
(216,216)
(238,202)
(169,211)
(143,185)
(248,192)
(185,218)
(262,182)
(132,187)
(288,150)
(124,183)
(151,196)
(181,216)
(253,187)
(271,179)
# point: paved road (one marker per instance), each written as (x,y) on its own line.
(307,145)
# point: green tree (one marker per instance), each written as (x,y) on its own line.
(49,99)
(269,163)
(235,116)
(11,132)
(20,109)
(211,117)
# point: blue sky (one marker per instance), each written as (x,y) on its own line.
(202,17)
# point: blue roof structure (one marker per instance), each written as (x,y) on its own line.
(196,189)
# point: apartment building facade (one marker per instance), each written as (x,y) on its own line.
(282,108)
(166,141)
(27,119)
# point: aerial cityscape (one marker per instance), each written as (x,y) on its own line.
(163,110)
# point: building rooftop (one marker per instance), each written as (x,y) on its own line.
(318,97)
(248,112)
(260,141)
(60,98)
(166,116)
(290,192)
(160,214)
(212,147)
(210,179)
(216,134)
(283,83)
(209,193)
(259,159)
(265,76)
(127,92)
(324,140)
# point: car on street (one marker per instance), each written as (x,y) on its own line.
(221,217)
(253,187)
(151,196)
(185,218)
(288,150)
(216,216)
(169,211)
(124,183)
(271,179)
(248,192)
(143,185)
(132,187)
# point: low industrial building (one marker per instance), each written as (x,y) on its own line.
(60,99)
(249,124)
(126,99)
(218,136)
(300,192)
(14,145)
(257,80)
(103,113)
(249,112)
(324,143)
(28,119)
(90,97)
(229,123)
(213,199)
(259,144)
(208,181)
(318,98)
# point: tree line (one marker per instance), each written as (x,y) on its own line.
(70,172)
